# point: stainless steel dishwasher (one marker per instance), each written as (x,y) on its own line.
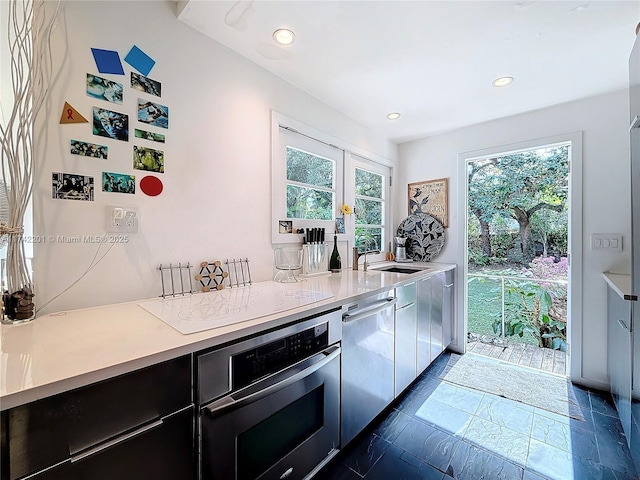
(367,366)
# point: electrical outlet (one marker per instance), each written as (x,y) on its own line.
(122,219)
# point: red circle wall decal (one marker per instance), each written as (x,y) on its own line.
(152,186)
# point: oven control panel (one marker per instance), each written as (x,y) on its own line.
(253,364)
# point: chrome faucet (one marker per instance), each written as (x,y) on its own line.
(357,255)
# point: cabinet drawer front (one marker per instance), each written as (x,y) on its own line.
(163,453)
(46,432)
(406,294)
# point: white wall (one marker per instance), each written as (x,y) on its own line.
(216,202)
(606,193)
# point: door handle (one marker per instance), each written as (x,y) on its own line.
(115,441)
(372,310)
(622,324)
(257,391)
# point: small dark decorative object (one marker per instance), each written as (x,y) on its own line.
(335,263)
(19,305)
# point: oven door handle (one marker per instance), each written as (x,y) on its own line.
(286,377)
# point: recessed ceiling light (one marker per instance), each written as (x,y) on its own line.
(502,81)
(393,116)
(284,36)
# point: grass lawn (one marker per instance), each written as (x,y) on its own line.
(484,305)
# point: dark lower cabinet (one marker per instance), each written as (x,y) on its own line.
(162,452)
(128,427)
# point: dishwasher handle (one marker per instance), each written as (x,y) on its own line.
(372,309)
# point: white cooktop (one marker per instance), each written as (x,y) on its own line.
(203,311)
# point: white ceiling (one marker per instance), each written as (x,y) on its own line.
(432,61)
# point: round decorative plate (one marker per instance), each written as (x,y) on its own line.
(425,236)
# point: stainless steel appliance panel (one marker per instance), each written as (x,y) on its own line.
(619,356)
(448,306)
(282,427)
(367,362)
(214,368)
(424,324)
(437,292)
(406,294)
(405,350)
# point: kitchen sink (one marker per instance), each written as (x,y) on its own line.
(397,269)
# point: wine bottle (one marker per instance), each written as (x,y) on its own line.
(335,263)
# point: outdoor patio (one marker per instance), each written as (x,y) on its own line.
(544,359)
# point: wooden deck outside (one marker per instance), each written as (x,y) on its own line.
(544,359)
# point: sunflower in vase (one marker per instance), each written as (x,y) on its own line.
(346,209)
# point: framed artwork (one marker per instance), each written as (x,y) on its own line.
(285,226)
(431,197)
(340,225)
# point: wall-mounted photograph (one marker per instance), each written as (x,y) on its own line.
(118,183)
(88,149)
(70,186)
(104,89)
(153,113)
(146,85)
(154,137)
(110,124)
(148,159)
(430,197)
(285,226)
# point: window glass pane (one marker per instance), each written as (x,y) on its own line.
(307,168)
(368,239)
(308,203)
(368,212)
(368,184)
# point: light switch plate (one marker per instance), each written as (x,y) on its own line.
(611,242)
(122,219)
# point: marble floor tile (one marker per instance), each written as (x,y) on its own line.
(582,395)
(336,471)
(574,441)
(602,403)
(473,463)
(391,426)
(506,413)
(461,398)
(498,440)
(607,426)
(556,464)
(529,475)
(445,417)
(586,424)
(429,444)
(397,464)
(366,454)
(608,474)
(616,456)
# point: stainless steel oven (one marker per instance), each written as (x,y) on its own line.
(270,405)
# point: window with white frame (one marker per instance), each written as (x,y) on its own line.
(313,175)
(370,206)
(311,188)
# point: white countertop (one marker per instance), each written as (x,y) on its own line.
(61,351)
(621,284)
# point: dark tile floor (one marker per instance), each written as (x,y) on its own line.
(440,431)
